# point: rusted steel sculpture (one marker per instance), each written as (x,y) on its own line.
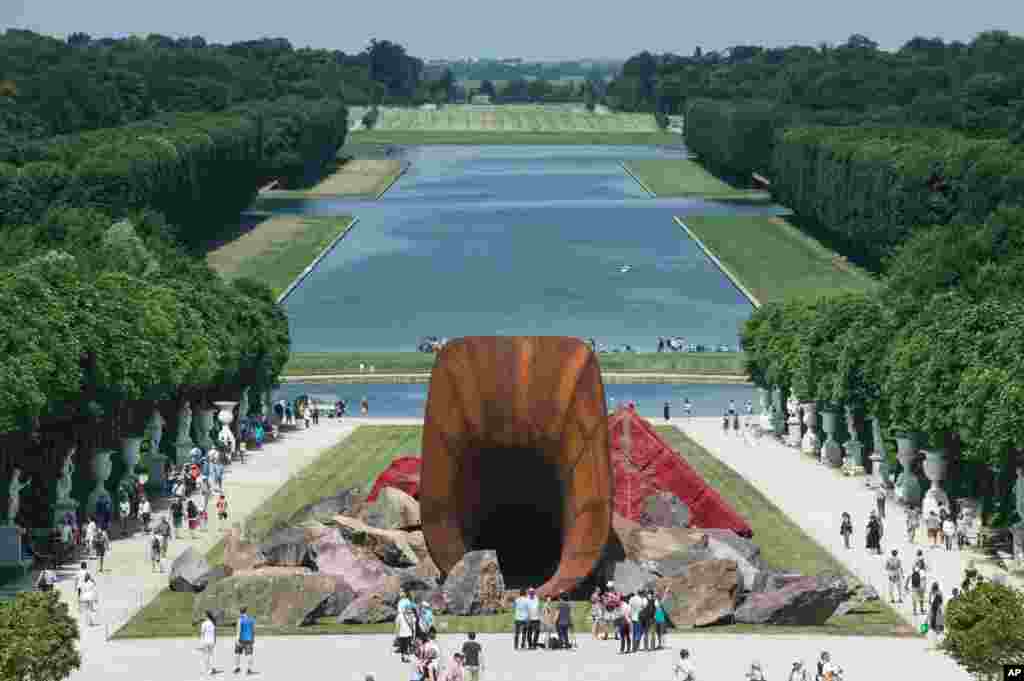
(495,404)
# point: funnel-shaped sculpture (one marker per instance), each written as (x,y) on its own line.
(515,458)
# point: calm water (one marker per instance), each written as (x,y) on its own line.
(514,240)
(409,401)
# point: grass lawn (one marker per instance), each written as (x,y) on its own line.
(774,260)
(351,177)
(682,177)
(277,249)
(784,546)
(469,137)
(715,363)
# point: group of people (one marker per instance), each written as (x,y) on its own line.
(416,641)
(244,642)
(542,624)
(827,670)
(635,619)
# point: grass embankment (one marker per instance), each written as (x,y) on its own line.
(277,249)
(360,458)
(349,177)
(774,260)
(472,137)
(319,363)
(784,546)
(685,178)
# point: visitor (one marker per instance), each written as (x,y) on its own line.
(154,549)
(83,572)
(846,529)
(913,522)
(432,658)
(725,421)
(826,668)
(666,411)
(564,621)
(610,607)
(204,516)
(647,619)
(636,606)
(798,672)
(915,585)
(146,511)
(948,532)
(521,616)
(732,408)
(168,485)
(222,511)
(687,408)
(193,517)
(207,643)
(427,618)
(178,515)
(164,531)
(936,621)
(306,415)
(748,410)
(205,490)
(456,671)
(88,598)
(100,546)
(970,575)
(125,512)
(473,656)
(245,639)
(683,670)
(548,625)
(596,613)
(933,524)
(755,673)
(660,618)
(364,406)
(874,534)
(880,502)
(533,610)
(405,626)
(46,580)
(624,625)
(894,569)
(90,536)
(217,468)
(316,415)
(736,424)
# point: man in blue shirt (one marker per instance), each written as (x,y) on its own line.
(246,638)
(522,615)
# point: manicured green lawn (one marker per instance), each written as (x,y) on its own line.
(682,177)
(360,458)
(314,363)
(504,137)
(783,545)
(278,249)
(774,260)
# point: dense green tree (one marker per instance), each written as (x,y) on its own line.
(39,638)
(985,629)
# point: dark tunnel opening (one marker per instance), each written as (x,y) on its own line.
(520,514)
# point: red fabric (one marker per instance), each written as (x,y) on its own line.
(653,467)
(403,474)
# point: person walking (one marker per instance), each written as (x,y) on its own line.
(683,670)
(245,639)
(798,672)
(880,501)
(660,620)
(596,613)
(610,606)
(915,585)
(364,406)
(667,407)
(90,536)
(913,522)
(736,424)
(404,627)
(89,596)
(933,525)
(725,422)
(533,610)
(193,517)
(936,621)
(846,528)
(548,624)
(521,608)
(124,513)
(207,643)
(687,408)
(874,534)
(756,673)
(625,626)
(647,620)
(472,653)
(222,511)
(100,545)
(564,621)
(894,569)
(146,514)
(949,532)
(178,515)
(154,549)
(636,606)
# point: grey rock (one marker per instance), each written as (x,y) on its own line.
(475,586)
(665,509)
(189,572)
(809,601)
(289,546)
(345,502)
(370,608)
(727,545)
(393,509)
(773,580)
(631,577)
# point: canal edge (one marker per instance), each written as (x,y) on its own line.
(638,180)
(316,261)
(405,167)
(610,378)
(719,264)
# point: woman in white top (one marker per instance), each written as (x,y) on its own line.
(89,597)
(207,642)
(683,669)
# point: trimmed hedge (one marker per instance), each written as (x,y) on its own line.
(732,137)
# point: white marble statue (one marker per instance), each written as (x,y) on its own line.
(156,430)
(14,496)
(1018,490)
(64,482)
(185,423)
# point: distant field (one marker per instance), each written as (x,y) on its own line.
(681,177)
(774,260)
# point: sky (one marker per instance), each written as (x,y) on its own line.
(530,29)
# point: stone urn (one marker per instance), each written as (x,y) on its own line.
(63,503)
(853,463)
(155,429)
(131,450)
(793,423)
(226,415)
(831,452)
(935,469)
(878,455)
(778,419)
(765,420)
(810,444)
(909,492)
(204,424)
(102,466)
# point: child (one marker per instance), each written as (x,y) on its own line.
(155,551)
(222,510)
(846,528)
(125,509)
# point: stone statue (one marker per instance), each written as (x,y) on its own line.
(851,425)
(1018,492)
(14,495)
(64,481)
(185,423)
(156,430)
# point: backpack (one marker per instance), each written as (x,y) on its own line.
(915,579)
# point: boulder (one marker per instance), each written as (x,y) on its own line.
(390,546)
(631,577)
(808,601)
(336,603)
(727,545)
(370,608)
(418,544)
(350,567)
(240,554)
(289,546)
(705,593)
(393,509)
(661,550)
(860,594)
(665,509)
(346,502)
(475,586)
(189,572)
(272,600)
(773,580)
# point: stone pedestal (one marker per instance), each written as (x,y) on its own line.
(204,424)
(831,452)
(909,490)
(810,444)
(101,469)
(878,451)
(793,432)
(1017,532)
(130,452)
(765,419)
(935,469)
(853,463)
(778,417)
(11,551)
(876,470)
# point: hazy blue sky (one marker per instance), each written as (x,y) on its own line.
(533,29)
